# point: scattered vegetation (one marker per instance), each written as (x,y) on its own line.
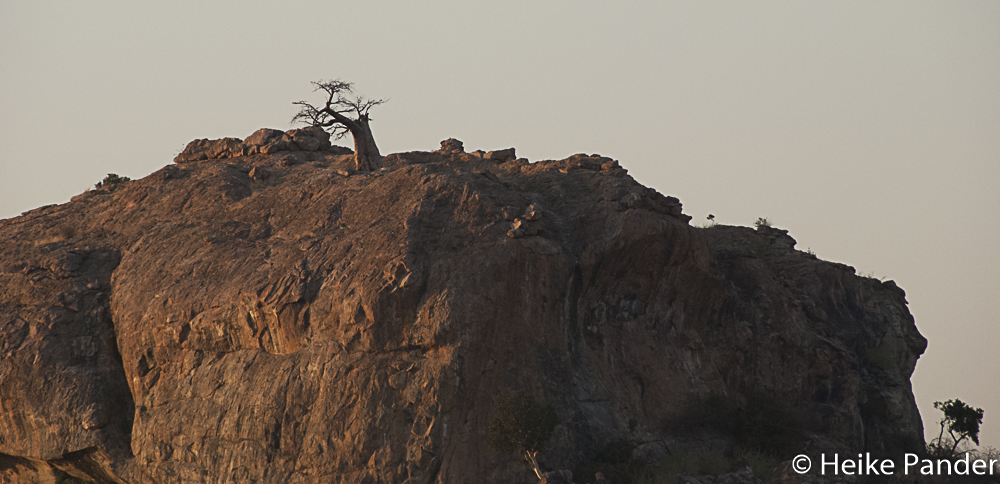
(522,425)
(761,222)
(871,275)
(987,454)
(111,181)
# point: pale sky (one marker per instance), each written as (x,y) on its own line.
(869,130)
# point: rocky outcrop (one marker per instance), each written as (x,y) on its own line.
(452,145)
(265,141)
(501,155)
(86,466)
(269,314)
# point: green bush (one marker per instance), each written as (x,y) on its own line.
(111,181)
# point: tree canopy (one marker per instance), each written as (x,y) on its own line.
(961,421)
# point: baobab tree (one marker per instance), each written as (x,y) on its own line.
(345,112)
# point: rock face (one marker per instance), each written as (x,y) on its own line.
(259,312)
(90,465)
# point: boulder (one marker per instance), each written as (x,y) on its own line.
(258,173)
(451,145)
(501,155)
(312,138)
(267,141)
(533,212)
(209,149)
(262,137)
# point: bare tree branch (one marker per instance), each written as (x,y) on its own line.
(311,116)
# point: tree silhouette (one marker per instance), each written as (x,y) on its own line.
(345,112)
(961,421)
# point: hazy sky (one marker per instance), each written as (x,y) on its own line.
(870,130)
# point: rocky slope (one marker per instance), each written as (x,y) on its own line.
(259,312)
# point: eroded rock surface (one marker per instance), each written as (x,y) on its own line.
(260,312)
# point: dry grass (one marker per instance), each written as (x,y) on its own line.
(63,232)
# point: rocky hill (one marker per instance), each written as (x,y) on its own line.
(260,312)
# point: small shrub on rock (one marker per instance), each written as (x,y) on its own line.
(111,181)
(761,222)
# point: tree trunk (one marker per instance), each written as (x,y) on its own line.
(366,155)
(532,458)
